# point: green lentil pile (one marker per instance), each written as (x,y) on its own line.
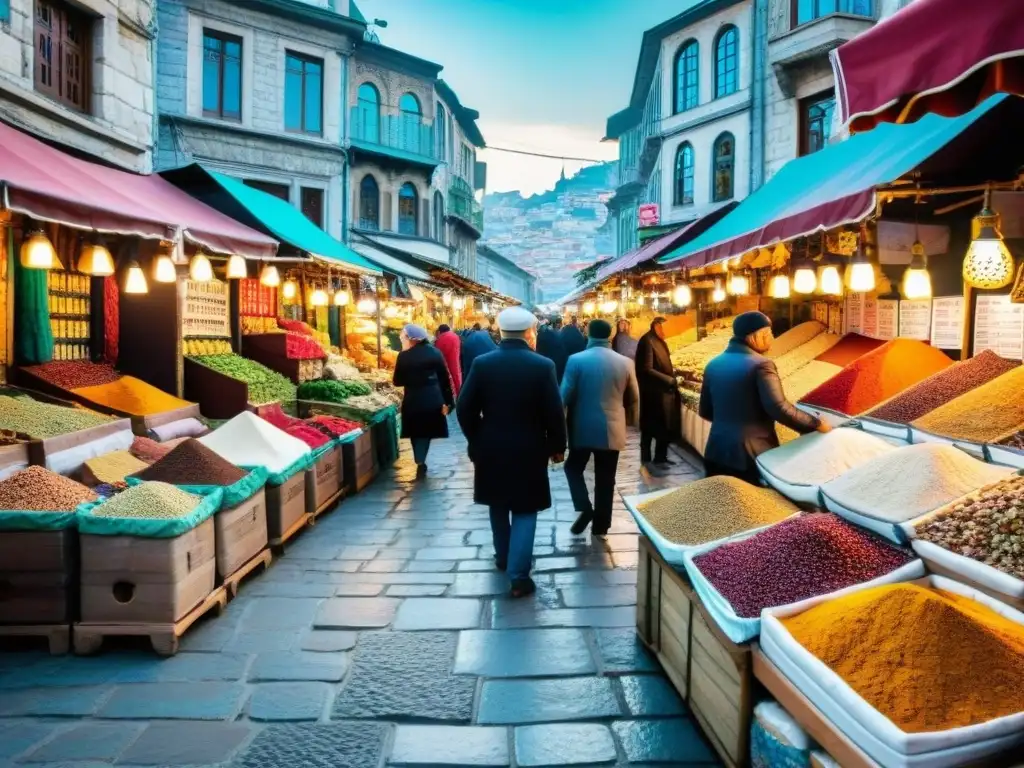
(42,420)
(714,508)
(36,489)
(151,500)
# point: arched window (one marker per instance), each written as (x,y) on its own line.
(687,95)
(369,203)
(367,125)
(684,175)
(407,205)
(727,61)
(409,106)
(724,167)
(439,233)
(439,132)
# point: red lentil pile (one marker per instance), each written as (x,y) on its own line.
(795,560)
(192,463)
(335,425)
(73,374)
(878,375)
(942,387)
(303,430)
(849,348)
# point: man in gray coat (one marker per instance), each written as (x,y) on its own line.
(600,393)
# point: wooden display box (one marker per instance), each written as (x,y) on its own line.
(663,605)
(131,579)
(359,462)
(269,349)
(13,458)
(46,452)
(240,533)
(324,481)
(218,396)
(143,424)
(286,508)
(38,577)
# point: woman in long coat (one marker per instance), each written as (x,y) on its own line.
(427,399)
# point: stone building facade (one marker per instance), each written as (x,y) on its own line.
(94,91)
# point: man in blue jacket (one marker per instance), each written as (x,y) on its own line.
(477,342)
(742,397)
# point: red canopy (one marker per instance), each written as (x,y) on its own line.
(47,184)
(941,56)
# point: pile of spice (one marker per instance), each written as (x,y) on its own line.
(149,450)
(133,396)
(153,501)
(942,387)
(927,659)
(111,467)
(987,526)
(714,508)
(265,385)
(249,441)
(908,482)
(335,426)
(36,489)
(691,360)
(849,348)
(304,431)
(794,360)
(817,458)
(987,414)
(192,463)
(42,420)
(795,337)
(878,375)
(72,374)
(797,559)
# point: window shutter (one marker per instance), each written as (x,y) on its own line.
(387,219)
(424,218)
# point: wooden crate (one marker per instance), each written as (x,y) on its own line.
(664,606)
(286,508)
(324,482)
(241,533)
(218,396)
(359,465)
(38,577)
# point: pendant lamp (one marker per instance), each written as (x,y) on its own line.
(718,294)
(640,299)
(37,252)
(289,290)
(95,259)
(341,298)
(682,296)
(804,279)
(831,282)
(269,276)
(779,288)
(739,285)
(135,282)
(917,283)
(366,306)
(164,270)
(988,263)
(862,271)
(390,311)
(236,268)
(318,298)
(200,269)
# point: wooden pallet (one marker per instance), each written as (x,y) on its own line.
(164,637)
(58,636)
(231,582)
(304,520)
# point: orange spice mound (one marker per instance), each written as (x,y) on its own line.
(878,375)
(849,348)
(927,659)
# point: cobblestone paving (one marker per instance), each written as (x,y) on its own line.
(383,636)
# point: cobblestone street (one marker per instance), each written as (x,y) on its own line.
(383,636)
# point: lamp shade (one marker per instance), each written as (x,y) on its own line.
(780,287)
(588,307)
(917,282)
(831,282)
(135,282)
(682,296)
(95,260)
(739,285)
(988,264)
(862,277)
(289,290)
(236,268)
(164,271)
(318,298)
(37,252)
(269,276)
(201,270)
(804,280)
(342,298)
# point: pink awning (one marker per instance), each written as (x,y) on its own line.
(47,184)
(941,56)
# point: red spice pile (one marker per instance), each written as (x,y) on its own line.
(74,374)
(304,431)
(849,348)
(877,376)
(295,326)
(299,347)
(148,450)
(336,426)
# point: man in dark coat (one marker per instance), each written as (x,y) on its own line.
(573,340)
(549,344)
(742,397)
(511,413)
(660,405)
(427,400)
(476,343)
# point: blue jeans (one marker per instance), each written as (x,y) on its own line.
(420,446)
(513,541)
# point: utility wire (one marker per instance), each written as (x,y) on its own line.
(491,147)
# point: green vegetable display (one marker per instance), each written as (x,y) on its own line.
(327,391)
(42,420)
(265,385)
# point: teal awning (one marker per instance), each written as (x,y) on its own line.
(287,223)
(832,187)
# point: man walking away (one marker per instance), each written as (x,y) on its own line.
(742,397)
(476,343)
(450,346)
(601,397)
(659,398)
(573,340)
(512,416)
(549,344)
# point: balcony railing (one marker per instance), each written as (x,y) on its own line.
(463,205)
(405,136)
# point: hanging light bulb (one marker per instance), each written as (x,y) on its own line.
(37,252)
(718,294)
(95,260)
(831,282)
(341,298)
(988,263)
(682,296)
(780,287)
(588,307)
(459,303)
(739,285)
(289,290)
(640,299)
(269,276)
(390,311)
(135,282)
(917,283)
(200,270)
(862,271)
(318,298)
(164,270)
(366,306)
(655,301)
(804,279)
(236,268)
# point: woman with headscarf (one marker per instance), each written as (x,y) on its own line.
(623,343)
(427,399)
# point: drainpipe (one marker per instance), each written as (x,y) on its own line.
(154,29)
(758,106)
(346,174)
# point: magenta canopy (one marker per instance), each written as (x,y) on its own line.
(940,56)
(47,184)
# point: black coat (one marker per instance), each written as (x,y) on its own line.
(511,413)
(422,371)
(660,405)
(742,397)
(549,344)
(573,340)
(474,344)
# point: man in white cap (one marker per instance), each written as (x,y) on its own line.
(511,413)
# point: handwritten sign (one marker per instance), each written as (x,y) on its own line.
(916,319)
(999,326)
(888,319)
(948,322)
(206,310)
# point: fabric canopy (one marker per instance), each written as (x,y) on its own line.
(832,187)
(47,184)
(940,56)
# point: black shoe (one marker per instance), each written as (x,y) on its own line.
(581,523)
(421,471)
(665,462)
(523,587)
(599,532)
(501,565)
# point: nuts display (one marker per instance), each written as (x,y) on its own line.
(36,489)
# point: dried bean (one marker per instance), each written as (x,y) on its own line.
(154,501)
(985,414)
(111,467)
(36,489)
(42,420)
(192,463)
(797,559)
(72,374)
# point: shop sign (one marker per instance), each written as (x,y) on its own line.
(648,215)
(916,319)
(206,310)
(999,326)
(948,322)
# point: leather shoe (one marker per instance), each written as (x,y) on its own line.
(581,523)
(501,565)
(523,587)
